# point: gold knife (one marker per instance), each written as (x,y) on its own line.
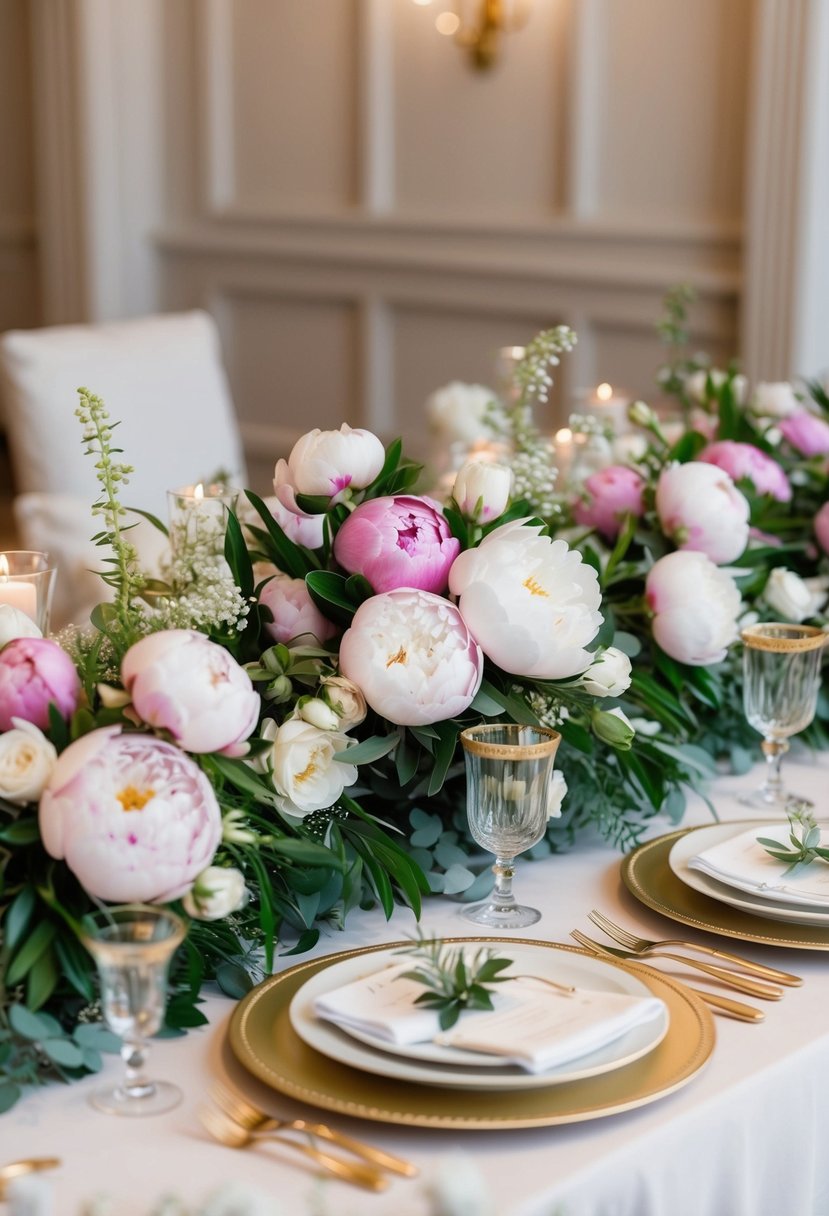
(733,1009)
(771,973)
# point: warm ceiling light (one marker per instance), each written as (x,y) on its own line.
(479,25)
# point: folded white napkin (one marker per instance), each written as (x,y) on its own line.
(742,863)
(532,1025)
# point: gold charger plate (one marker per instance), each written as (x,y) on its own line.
(264,1042)
(647,875)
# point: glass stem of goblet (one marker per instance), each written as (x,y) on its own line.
(502,896)
(134,1054)
(774,750)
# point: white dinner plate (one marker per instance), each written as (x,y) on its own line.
(771,909)
(431,1064)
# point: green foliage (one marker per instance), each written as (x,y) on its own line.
(454,979)
(804,837)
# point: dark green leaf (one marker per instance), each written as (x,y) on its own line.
(21,833)
(63,1052)
(35,944)
(153,519)
(18,916)
(306,941)
(28,1025)
(41,980)
(369,750)
(329,593)
(233,980)
(290,558)
(9,1094)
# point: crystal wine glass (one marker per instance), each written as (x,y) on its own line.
(781,679)
(132,946)
(509,770)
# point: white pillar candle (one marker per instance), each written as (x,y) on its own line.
(16,590)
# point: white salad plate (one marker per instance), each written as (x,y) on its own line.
(432,1064)
(772,908)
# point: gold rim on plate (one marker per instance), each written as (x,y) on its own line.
(264,1042)
(648,876)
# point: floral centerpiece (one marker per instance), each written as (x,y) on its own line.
(266,737)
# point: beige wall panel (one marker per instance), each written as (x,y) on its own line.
(629,356)
(433,346)
(16,153)
(673,80)
(479,145)
(292,364)
(293,85)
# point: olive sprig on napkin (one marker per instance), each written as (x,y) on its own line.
(453,978)
(804,835)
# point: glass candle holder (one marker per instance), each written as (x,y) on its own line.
(27,581)
(198,518)
(132,946)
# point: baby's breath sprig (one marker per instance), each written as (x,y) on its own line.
(124,575)
(804,835)
(453,979)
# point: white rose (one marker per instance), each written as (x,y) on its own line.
(609,675)
(27,759)
(16,624)
(774,400)
(482,489)
(305,772)
(216,893)
(457,412)
(695,606)
(556,794)
(315,711)
(790,595)
(346,699)
(700,508)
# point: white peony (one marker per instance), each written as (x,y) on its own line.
(695,606)
(700,508)
(16,624)
(414,657)
(557,792)
(774,400)
(216,893)
(27,760)
(457,412)
(531,603)
(608,675)
(796,599)
(328,462)
(303,767)
(482,490)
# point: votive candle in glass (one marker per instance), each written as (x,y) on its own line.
(198,517)
(27,583)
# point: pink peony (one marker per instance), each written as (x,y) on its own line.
(302,529)
(700,508)
(412,656)
(182,682)
(807,434)
(294,612)
(35,672)
(744,460)
(822,527)
(611,494)
(695,607)
(402,541)
(133,817)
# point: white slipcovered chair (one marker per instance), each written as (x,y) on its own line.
(162,378)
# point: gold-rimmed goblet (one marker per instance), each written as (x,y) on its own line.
(509,771)
(781,680)
(132,945)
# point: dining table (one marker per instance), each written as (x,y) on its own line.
(744,1133)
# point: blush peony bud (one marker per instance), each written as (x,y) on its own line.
(774,400)
(217,892)
(744,460)
(182,682)
(34,673)
(329,462)
(294,612)
(133,817)
(792,597)
(482,490)
(700,508)
(695,608)
(346,699)
(806,433)
(413,656)
(401,541)
(610,495)
(821,526)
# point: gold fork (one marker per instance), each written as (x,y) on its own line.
(222,1128)
(249,1117)
(642,945)
(720,1004)
(761,988)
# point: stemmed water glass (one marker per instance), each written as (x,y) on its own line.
(509,771)
(781,679)
(132,946)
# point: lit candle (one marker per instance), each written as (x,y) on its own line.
(198,517)
(563,445)
(17,591)
(610,406)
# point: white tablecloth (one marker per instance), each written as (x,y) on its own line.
(749,1136)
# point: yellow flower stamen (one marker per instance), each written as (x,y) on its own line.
(132,799)
(534,587)
(400,657)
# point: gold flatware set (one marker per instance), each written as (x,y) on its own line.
(237,1123)
(763,982)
